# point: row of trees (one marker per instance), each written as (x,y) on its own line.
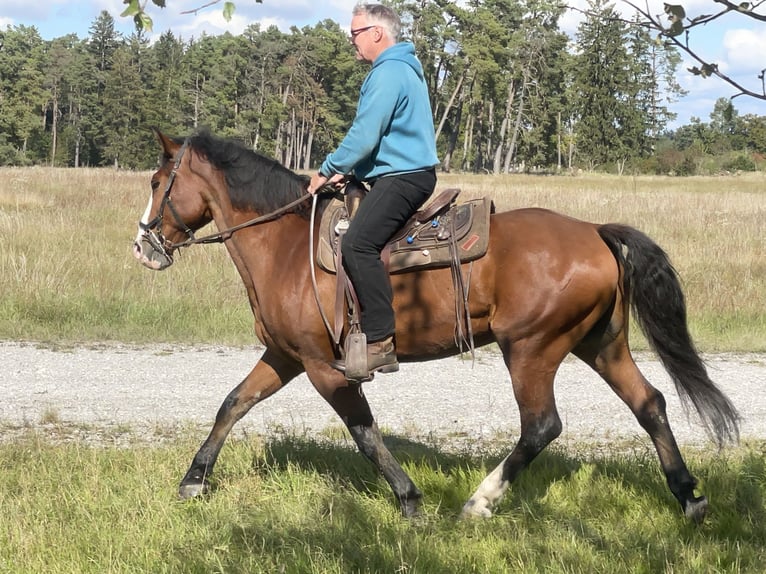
(509,91)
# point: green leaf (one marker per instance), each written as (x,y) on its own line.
(728,111)
(675,12)
(143,21)
(228,10)
(676,29)
(706,71)
(132,9)
(160,3)
(744,7)
(709,69)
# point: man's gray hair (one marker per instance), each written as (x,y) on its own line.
(380,15)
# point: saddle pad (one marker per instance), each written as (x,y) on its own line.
(423,246)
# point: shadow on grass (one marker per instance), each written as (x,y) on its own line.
(355,529)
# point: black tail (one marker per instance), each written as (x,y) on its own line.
(652,287)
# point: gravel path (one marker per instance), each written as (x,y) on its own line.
(111,391)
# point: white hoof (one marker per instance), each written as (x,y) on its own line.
(476,509)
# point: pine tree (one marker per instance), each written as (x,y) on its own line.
(23,97)
(102,44)
(602,85)
(122,105)
(163,73)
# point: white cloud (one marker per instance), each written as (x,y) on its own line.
(746,49)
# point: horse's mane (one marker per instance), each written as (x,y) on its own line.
(255,181)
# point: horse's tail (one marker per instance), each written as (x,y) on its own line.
(652,287)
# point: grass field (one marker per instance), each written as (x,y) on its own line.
(296,505)
(67,273)
(293,504)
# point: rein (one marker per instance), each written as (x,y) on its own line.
(153,232)
(223,235)
(312,267)
(152,229)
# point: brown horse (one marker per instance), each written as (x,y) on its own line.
(548,286)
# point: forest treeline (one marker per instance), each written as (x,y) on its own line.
(510,92)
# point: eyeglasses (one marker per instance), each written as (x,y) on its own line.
(355,33)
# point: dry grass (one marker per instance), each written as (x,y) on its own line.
(712,227)
(66,269)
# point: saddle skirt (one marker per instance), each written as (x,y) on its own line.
(455,230)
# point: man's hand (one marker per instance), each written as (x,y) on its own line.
(318,181)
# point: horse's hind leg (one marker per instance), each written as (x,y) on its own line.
(269,375)
(532,376)
(616,365)
(352,407)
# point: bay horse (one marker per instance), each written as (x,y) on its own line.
(549,285)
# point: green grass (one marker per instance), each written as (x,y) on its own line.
(298,505)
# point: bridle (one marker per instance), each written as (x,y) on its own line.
(153,229)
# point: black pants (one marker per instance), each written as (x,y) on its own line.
(392,200)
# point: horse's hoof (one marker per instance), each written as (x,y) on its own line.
(476,509)
(410,508)
(696,510)
(193,490)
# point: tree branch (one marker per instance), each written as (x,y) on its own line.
(200,8)
(680,25)
(731,7)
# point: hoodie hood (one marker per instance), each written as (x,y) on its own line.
(404,52)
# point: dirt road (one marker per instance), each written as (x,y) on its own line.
(115,391)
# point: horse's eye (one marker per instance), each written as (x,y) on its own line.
(155,184)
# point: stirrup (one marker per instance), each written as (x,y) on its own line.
(340,365)
(355,365)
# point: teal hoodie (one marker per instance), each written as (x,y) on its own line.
(393,131)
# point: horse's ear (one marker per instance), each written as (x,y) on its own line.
(169,147)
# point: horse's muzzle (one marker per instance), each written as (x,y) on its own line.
(151,253)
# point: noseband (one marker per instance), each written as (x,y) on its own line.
(153,229)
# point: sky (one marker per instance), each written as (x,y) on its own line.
(737,43)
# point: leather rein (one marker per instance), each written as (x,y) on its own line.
(153,228)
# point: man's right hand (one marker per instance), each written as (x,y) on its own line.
(318,181)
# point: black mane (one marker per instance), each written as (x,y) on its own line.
(255,181)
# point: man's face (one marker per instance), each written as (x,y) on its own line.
(365,38)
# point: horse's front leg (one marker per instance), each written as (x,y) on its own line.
(352,407)
(269,375)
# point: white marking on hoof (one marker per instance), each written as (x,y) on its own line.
(476,509)
(188,491)
(488,494)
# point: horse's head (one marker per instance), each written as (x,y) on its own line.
(176,208)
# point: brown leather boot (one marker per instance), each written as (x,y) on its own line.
(381,356)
